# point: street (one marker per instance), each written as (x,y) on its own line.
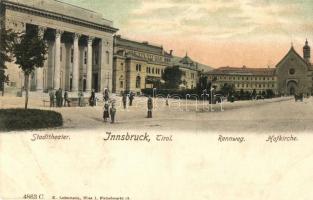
(263,116)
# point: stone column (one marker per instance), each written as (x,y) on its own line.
(89,64)
(39,70)
(75,80)
(57,62)
(106,68)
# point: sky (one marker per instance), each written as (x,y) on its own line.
(255,33)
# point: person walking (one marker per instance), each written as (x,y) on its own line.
(124,99)
(150,107)
(106,95)
(106,111)
(66,100)
(80,98)
(131,98)
(113,112)
(92,98)
(60,99)
(51,95)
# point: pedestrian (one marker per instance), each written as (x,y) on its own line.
(106,95)
(124,99)
(92,98)
(150,107)
(51,95)
(166,101)
(66,100)
(57,96)
(131,98)
(106,111)
(80,99)
(113,112)
(60,102)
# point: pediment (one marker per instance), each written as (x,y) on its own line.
(292,56)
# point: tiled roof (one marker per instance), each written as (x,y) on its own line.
(242,71)
(187,62)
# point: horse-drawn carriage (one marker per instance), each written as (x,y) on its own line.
(299,97)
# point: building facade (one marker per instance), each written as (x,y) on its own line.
(80,45)
(295,73)
(244,78)
(137,65)
(140,65)
(292,75)
(190,69)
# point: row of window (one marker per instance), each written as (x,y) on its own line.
(255,85)
(152,70)
(241,78)
(138,67)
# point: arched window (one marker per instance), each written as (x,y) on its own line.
(107,55)
(138,80)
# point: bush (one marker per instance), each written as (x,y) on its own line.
(30,119)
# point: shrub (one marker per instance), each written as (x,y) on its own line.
(21,119)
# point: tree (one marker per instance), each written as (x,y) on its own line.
(227,89)
(7,42)
(30,53)
(254,94)
(270,93)
(172,77)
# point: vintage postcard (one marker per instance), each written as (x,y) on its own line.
(168,99)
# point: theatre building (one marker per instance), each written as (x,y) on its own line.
(80,45)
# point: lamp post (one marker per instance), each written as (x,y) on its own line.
(153,97)
(211,90)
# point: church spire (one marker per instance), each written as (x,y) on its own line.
(307,51)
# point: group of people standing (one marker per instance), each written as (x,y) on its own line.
(131,97)
(58,99)
(109,107)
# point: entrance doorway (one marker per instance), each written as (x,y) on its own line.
(84,85)
(95,82)
(292,87)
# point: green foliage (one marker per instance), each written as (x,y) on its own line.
(270,93)
(253,93)
(227,90)
(7,42)
(21,119)
(172,77)
(30,52)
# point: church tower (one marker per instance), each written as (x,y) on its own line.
(307,52)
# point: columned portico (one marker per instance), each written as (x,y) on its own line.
(39,70)
(75,79)
(78,54)
(89,64)
(57,63)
